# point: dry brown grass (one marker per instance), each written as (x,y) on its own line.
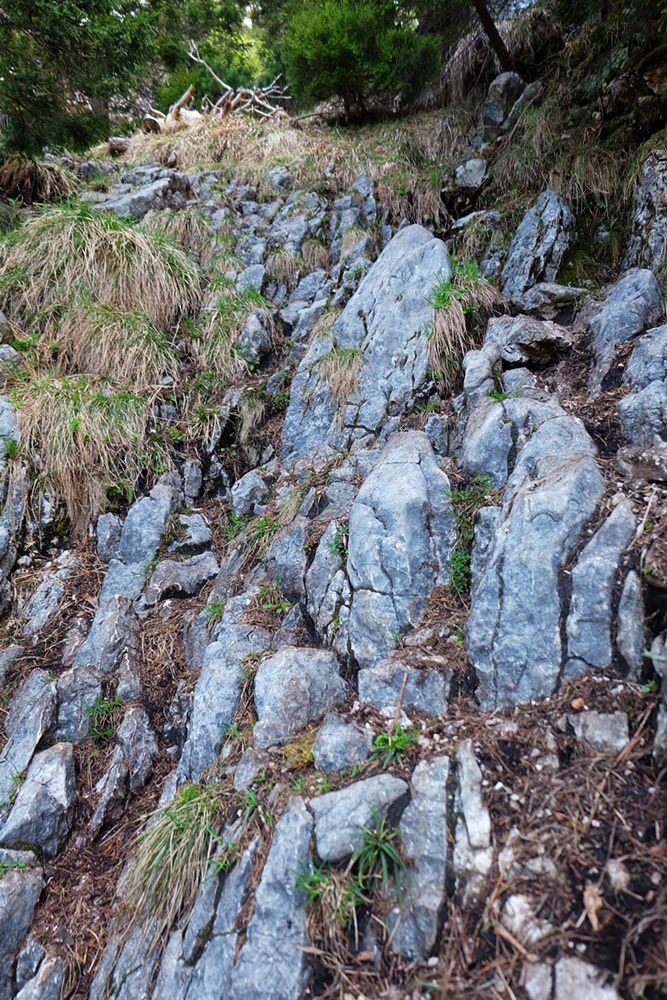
(99,339)
(84,436)
(283,266)
(462,303)
(340,368)
(31,182)
(218,329)
(173,855)
(315,255)
(324,324)
(66,250)
(188,228)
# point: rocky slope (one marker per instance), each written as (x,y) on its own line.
(357,699)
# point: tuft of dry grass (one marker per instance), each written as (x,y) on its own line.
(315,255)
(251,413)
(351,239)
(324,324)
(31,182)
(188,228)
(84,436)
(340,368)
(69,249)
(177,849)
(459,301)
(98,339)
(283,266)
(219,327)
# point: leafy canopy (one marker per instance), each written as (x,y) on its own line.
(354,49)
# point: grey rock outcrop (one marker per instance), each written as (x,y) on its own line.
(172,578)
(643,411)
(48,982)
(425,690)
(648,241)
(293,687)
(473,854)
(539,246)
(218,690)
(272,963)
(384,330)
(31,715)
(401,534)
(631,305)
(341,816)
(423,832)
(42,812)
(20,889)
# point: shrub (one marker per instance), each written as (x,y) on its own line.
(354,50)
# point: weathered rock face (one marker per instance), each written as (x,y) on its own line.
(340,817)
(473,855)
(524,599)
(293,687)
(276,934)
(218,690)
(643,411)
(340,744)
(142,190)
(631,305)
(401,535)
(41,815)
(423,831)
(20,889)
(539,246)
(31,714)
(382,331)
(648,242)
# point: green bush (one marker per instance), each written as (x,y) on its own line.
(354,50)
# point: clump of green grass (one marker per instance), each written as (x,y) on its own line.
(466,501)
(64,251)
(174,854)
(461,303)
(271,598)
(102,717)
(340,368)
(388,748)
(338,544)
(87,436)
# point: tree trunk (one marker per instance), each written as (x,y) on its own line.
(492,33)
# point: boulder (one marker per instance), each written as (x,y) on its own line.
(293,687)
(30,716)
(643,411)
(340,744)
(109,527)
(249,493)
(342,816)
(503,93)
(470,176)
(43,810)
(538,248)
(604,731)
(425,690)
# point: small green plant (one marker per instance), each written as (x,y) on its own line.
(388,748)
(378,858)
(272,599)
(338,544)
(102,717)
(466,501)
(298,783)
(11,448)
(253,811)
(10,866)
(214,610)
(323,784)
(429,406)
